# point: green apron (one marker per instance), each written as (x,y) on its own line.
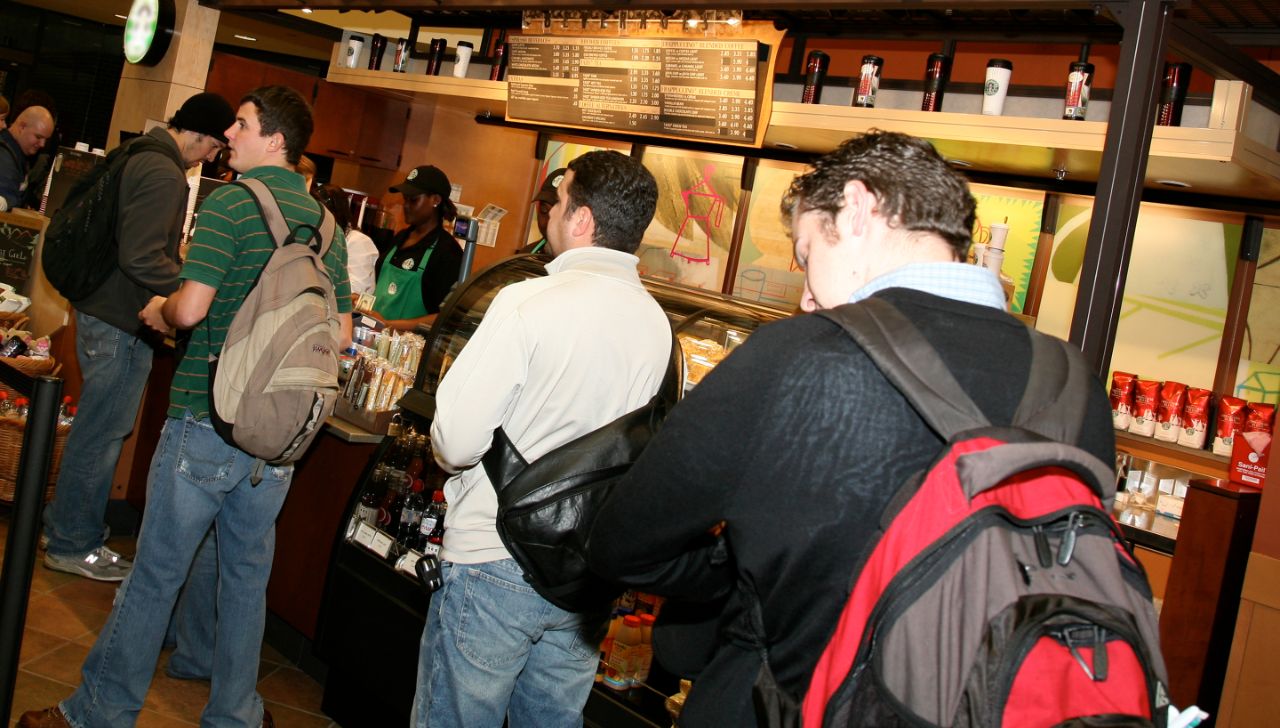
(399,291)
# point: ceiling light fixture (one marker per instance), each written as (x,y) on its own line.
(1173,183)
(122,17)
(246,37)
(308,11)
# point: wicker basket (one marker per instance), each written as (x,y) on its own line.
(11,431)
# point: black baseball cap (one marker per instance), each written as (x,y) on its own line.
(424,180)
(547,193)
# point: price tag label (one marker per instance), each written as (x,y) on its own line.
(408,562)
(382,544)
(364,535)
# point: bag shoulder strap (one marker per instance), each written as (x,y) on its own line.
(1050,404)
(276,223)
(910,363)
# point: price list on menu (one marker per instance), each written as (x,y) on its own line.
(687,88)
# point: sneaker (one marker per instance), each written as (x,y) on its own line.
(47,718)
(101,564)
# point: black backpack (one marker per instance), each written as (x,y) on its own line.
(80,247)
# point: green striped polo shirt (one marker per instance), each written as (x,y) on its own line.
(229,246)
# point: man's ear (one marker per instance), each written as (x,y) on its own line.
(583,223)
(277,142)
(859,205)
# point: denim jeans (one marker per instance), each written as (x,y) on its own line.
(191,629)
(196,480)
(115,366)
(492,648)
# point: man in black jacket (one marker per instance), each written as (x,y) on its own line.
(796,442)
(114,352)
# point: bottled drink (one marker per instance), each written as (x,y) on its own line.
(392,502)
(619,669)
(6,407)
(435,539)
(367,511)
(20,408)
(499,68)
(64,412)
(433,515)
(411,516)
(644,656)
(13,346)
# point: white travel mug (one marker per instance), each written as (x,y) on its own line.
(999,71)
(355,44)
(462,59)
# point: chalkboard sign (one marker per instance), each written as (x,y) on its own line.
(68,167)
(19,234)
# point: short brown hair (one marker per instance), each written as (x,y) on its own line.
(282,109)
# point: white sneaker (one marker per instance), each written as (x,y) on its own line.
(101,564)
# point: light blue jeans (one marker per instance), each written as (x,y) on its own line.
(191,630)
(115,366)
(492,648)
(196,480)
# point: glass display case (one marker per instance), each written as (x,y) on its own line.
(373,602)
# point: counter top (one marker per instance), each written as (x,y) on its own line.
(352,433)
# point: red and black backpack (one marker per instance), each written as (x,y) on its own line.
(1000,591)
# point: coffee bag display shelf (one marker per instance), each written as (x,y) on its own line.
(1200,463)
(1234,156)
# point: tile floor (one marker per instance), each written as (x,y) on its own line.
(64,615)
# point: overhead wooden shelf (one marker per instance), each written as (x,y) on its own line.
(1222,160)
(473,95)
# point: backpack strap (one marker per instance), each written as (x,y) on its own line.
(910,363)
(1052,405)
(278,226)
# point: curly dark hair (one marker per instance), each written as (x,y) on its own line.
(282,109)
(621,194)
(915,188)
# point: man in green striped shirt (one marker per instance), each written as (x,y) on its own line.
(198,481)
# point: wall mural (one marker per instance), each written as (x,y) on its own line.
(1258,379)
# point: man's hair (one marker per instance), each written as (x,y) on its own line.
(281,109)
(621,194)
(915,189)
(335,198)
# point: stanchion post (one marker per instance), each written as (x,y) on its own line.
(24,529)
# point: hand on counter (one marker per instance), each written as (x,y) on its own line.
(153,318)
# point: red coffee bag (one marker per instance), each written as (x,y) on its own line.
(1173,397)
(1230,420)
(1121,399)
(1195,418)
(1146,406)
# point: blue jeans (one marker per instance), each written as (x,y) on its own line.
(115,366)
(492,648)
(196,481)
(191,629)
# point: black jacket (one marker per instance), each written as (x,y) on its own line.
(796,441)
(153,206)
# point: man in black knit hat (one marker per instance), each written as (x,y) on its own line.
(113,346)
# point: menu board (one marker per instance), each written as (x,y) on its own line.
(699,89)
(19,233)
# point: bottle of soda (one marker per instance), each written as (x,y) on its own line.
(433,515)
(64,412)
(435,539)
(20,408)
(367,511)
(411,516)
(6,407)
(392,502)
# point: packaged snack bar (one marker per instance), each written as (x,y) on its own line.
(1146,405)
(1173,397)
(1230,420)
(1121,399)
(1195,418)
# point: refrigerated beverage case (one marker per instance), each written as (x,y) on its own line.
(869,81)
(815,73)
(1173,94)
(936,72)
(1079,82)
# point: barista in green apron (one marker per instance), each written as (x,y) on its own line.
(423,262)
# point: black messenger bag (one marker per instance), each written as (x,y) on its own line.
(546,508)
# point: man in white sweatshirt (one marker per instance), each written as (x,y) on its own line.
(553,359)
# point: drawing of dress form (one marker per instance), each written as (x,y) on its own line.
(702,205)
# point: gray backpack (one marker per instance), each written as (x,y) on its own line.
(276,379)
